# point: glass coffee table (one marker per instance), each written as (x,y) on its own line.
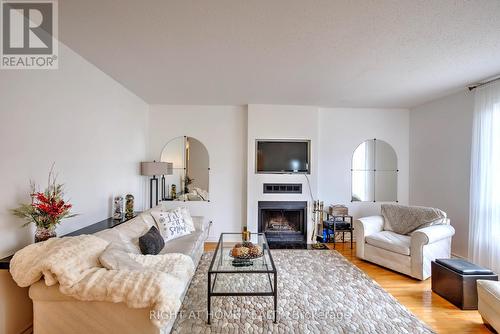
(226,279)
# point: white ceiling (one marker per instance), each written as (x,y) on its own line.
(357,53)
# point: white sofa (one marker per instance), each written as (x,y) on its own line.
(488,294)
(56,313)
(407,254)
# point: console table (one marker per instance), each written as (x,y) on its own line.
(91,229)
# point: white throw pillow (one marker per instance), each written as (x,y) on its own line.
(116,259)
(188,220)
(171,224)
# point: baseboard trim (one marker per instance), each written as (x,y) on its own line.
(458,256)
(28,330)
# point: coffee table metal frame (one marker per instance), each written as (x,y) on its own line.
(214,272)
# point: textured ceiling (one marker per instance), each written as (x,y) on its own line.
(378,53)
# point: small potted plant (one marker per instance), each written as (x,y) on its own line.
(46,210)
(187,182)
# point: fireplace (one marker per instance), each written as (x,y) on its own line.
(284,223)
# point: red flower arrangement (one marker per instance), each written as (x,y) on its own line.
(48,208)
(52,206)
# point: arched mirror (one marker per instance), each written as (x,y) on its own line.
(189,180)
(374,172)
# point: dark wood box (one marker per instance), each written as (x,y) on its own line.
(459,289)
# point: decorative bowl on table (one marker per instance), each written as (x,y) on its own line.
(246,250)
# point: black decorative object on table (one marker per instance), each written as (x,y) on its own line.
(242,263)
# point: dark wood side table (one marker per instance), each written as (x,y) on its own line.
(91,229)
(100,226)
(341,224)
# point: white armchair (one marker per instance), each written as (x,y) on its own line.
(407,254)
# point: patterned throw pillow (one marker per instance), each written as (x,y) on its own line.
(171,224)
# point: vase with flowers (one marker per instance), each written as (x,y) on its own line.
(46,210)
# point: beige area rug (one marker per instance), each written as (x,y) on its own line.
(318,292)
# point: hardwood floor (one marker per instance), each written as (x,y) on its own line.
(417,296)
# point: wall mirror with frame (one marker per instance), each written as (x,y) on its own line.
(374,172)
(189,180)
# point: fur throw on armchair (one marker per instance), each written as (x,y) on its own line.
(406,219)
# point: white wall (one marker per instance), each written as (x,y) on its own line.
(440,143)
(341,130)
(229,133)
(222,129)
(280,122)
(79,118)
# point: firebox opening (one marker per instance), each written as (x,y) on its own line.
(283,222)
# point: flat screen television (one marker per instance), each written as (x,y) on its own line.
(281,156)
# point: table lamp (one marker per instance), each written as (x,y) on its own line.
(154,169)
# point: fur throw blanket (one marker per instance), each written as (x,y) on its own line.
(73,262)
(403,219)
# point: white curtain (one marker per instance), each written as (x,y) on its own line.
(484,227)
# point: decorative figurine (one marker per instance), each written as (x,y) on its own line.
(129,206)
(118,207)
(245,235)
(173,192)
